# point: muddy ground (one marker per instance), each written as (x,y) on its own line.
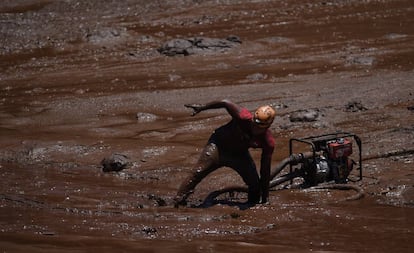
(81,80)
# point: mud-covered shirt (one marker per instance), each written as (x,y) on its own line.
(237,135)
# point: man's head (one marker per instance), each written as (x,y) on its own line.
(264,116)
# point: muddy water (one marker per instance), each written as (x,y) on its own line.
(82,80)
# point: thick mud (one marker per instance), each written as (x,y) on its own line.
(81,80)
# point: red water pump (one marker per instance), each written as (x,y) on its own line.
(329,158)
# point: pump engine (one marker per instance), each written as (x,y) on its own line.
(330,158)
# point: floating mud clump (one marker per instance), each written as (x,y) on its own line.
(115,162)
(198,45)
(106,35)
(256,77)
(146,117)
(355,106)
(307,115)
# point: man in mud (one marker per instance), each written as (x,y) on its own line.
(229,146)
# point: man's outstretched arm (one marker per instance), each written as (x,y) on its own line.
(232,108)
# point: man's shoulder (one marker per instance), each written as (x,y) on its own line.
(245,114)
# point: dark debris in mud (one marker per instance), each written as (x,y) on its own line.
(307,115)
(198,45)
(355,106)
(115,162)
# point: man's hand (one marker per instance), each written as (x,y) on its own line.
(196,108)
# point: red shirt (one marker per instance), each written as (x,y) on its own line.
(237,135)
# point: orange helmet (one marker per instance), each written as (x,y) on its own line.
(264,116)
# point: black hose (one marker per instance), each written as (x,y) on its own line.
(292,159)
(211,198)
(284,178)
(231,189)
(359,191)
(280,167)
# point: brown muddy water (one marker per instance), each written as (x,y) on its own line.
(81,80)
